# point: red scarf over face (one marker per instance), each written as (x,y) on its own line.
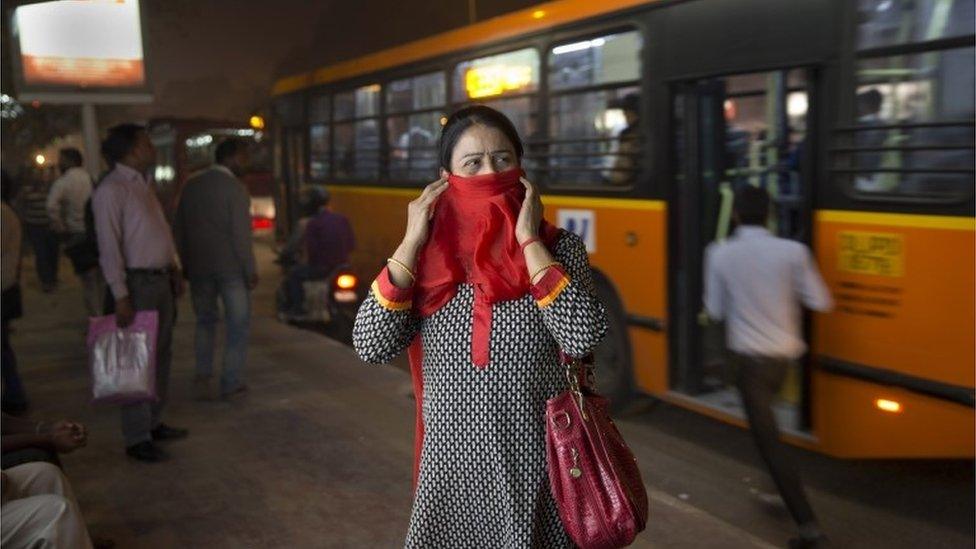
(472,240)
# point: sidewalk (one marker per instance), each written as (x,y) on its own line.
(317,455)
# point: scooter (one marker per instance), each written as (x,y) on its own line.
(331,301)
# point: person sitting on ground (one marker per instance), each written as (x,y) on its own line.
(25,440)
(328,241)
(39,509)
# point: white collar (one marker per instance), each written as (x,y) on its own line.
(748,231)
(128,171)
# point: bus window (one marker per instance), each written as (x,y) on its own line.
(483,79)
(891,22)
(417,108)
(357,141)
(913,112)
(413,145)
(319,134)
(594,135)
(415,94)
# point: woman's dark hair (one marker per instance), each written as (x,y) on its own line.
(752,205)
(464,118)
(120,141)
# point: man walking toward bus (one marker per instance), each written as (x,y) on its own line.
(757,282)
(138,258)
(213,235)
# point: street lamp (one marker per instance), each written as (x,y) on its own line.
(39,159)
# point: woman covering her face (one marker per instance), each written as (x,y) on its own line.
(494,292)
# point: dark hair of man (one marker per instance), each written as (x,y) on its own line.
(464,118)
(228,148)
(72,157)
(869,101)
(120,141)
(752,205)
(314,200)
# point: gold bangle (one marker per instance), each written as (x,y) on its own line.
(400,264)
(543,268)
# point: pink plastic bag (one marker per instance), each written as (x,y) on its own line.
(123,360)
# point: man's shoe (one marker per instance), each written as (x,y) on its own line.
(165,432)
(147,452)
(241,390)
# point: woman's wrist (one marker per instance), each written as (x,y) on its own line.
(407,252)
(522,238)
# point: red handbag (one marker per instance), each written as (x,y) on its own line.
(593,474)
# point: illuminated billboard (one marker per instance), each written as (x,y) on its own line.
(74,45)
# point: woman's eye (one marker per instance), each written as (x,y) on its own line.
(502,160)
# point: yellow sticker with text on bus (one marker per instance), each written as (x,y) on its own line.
(871,253)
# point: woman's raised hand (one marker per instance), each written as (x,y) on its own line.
(419,213)
(530,216)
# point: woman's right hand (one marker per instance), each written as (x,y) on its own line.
(419,213)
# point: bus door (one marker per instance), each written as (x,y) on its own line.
(727,132)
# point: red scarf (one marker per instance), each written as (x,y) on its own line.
(472,240)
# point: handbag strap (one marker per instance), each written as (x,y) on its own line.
(579,375)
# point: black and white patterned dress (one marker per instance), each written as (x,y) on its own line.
(483,480)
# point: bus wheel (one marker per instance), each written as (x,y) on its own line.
(612,369)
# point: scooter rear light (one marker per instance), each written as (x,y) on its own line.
(346,281)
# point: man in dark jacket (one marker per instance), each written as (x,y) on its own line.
(213,237)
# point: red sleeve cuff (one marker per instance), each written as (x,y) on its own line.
(548,288)
(390,296)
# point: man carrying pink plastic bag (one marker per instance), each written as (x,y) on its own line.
(138,259)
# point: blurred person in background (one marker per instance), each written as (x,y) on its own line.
(757,283)
(39,509)
(328,240)
(624,150)
(213,236)
(24,440)
(14,396)
(66,209)
(32,205)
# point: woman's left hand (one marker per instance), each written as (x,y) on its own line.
(530,216)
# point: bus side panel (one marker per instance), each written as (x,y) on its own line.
(629,245)
(904,302)
(848,424)
(378,218)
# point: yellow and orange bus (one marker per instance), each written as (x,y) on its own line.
(641,118)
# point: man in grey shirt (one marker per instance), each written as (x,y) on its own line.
(213,236)
(758,282)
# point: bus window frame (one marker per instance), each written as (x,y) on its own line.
(311,96)
(385,148)
(842,179)
(350,86)
(642,84)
